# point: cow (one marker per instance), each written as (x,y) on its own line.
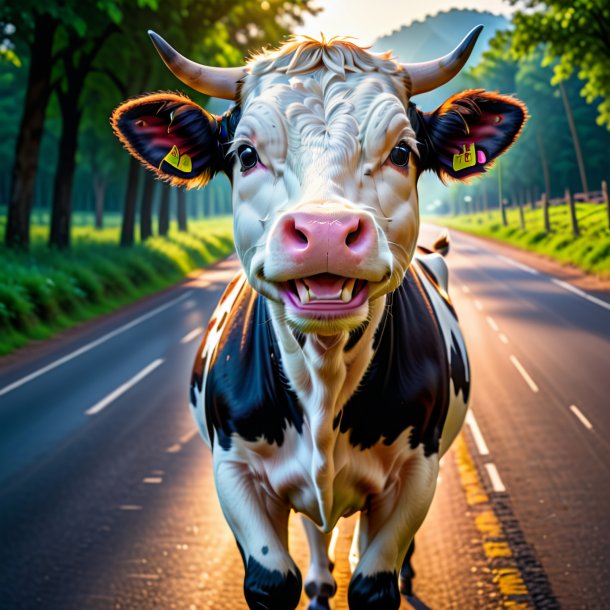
(333,375)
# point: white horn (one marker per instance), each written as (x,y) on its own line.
(216,82)
(429,75)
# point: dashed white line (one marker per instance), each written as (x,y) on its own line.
(524,373)
(583,420)
(503,338)
(185,438)
(192,335)
(152,480)
(521,266)
(102,404)
(581,293)
(133,507)
(465,288)
(494,476)
(492,323)
(85,348)
(478,304)
(479,441)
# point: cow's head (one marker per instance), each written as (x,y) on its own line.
(324,149)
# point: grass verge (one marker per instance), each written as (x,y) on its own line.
(590,251)
(44,291)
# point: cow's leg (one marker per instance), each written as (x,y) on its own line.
(319,583)
(260,526)
(387,528)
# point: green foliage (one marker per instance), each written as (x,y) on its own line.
(575,37)
(590,251)
(42,292)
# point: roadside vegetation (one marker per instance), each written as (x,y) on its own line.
(590,251)
(44,291)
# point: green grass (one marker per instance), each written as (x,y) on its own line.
(45,291)
(590,251)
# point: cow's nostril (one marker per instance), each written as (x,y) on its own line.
(353,236)
(301,236)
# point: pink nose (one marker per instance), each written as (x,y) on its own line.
(337,238)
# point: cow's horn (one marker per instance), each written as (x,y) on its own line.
(216,82)
(429,75)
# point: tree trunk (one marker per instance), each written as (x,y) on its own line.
(164,209)
(575,139)
(545,165)
(27,149)
(182,222)
(146,206)
(129,206)
(61,211)
(99,189)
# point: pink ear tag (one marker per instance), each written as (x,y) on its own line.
(481,158)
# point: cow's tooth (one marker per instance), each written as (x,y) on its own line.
(303,291)
(348,289)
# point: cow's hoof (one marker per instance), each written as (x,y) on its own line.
(270,589)
(314,589)
(319,603)
(376,592)
(405,581)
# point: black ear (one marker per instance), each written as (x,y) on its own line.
(172,136)
(463,137)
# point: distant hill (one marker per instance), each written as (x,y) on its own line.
(435,36)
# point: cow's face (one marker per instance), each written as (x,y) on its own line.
(324,154)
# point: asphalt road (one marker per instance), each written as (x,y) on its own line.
(106,493)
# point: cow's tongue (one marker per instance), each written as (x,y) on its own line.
(325,287)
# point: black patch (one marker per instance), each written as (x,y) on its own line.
(407,573)
(247,392)
(458,369)
(265,550)
(355,336)
(407,382)
(270,589)
(378,592)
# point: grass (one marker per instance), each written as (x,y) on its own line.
(590,251)
(44,291)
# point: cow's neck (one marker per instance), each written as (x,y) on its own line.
(322,372)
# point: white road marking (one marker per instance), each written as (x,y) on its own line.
(152,480)
(521,266)
(479,441)
(85,348)
(494,476)
(478,304)
(145,576)
(185,438)
(175,448)
(102,404)
(465,288)
(130,507)
(192,335)
(503,338)
(581,293)
(583,420)
(524,373)
(492,323)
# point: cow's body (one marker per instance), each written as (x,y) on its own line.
(333,375)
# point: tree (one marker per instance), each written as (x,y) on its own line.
(575,36)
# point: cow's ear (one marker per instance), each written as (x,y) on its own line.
(172,136)
(468,132)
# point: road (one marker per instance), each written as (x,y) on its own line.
(106,493)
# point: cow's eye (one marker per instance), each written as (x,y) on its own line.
(247,157)
(400,155)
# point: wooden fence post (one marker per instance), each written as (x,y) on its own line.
(573,219)
(521,215)
(606,201)
(545,212)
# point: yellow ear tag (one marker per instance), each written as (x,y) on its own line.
(182,163)
(467,158)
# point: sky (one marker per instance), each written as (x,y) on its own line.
(367,20)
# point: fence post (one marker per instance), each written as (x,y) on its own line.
(545,211)
(574,220)
(606,201)
(503,210)
(521,215)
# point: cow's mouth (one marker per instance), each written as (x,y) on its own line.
(325,295)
